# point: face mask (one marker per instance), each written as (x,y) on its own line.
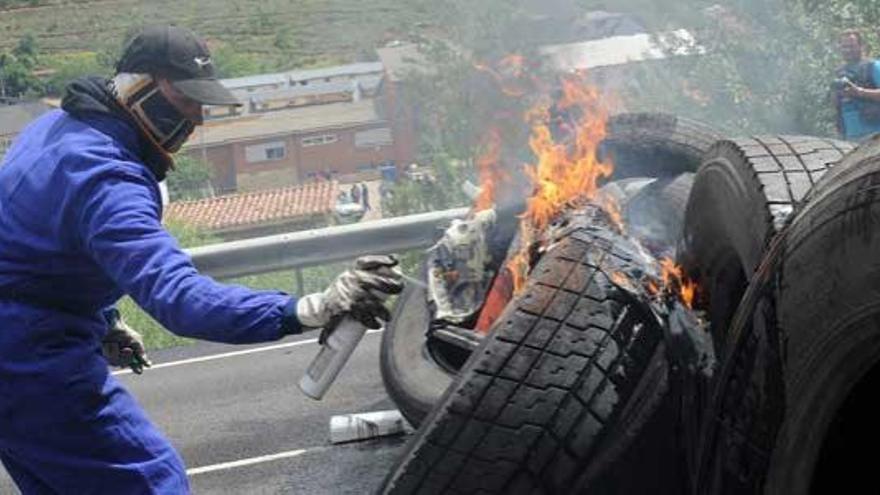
(168,127)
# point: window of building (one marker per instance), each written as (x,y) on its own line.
(264,152)
(319,140)
(275,153)
(373,138)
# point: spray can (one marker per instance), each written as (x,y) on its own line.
(333,355)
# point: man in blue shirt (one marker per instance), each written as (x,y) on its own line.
(80,225)
(856,97)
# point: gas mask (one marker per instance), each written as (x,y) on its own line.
(164,125)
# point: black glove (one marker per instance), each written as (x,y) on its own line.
(123,347)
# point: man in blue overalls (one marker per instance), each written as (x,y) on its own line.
(80,226)
(856,93)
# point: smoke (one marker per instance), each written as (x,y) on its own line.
(761,67)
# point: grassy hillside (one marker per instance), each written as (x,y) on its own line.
(274,33)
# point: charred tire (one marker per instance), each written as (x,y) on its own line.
(744,192)
(655,215)
(829,308)
(567,377)
(413,379)
(655,144)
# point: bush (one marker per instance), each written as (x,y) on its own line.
(191,179)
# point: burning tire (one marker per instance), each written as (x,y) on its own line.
(571,371)
(656,144)
(655,215)
(742,195)
(414,369)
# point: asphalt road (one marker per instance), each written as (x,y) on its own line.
(242,425)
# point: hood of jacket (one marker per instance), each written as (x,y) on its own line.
(90,95)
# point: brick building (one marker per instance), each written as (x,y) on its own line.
(301,125)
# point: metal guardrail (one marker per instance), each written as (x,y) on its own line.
(321,246)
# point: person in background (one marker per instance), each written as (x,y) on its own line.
(365,196)
(80,226)
(855,90)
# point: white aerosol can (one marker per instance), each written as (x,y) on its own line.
(333,355)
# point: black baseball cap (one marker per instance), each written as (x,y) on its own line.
(180,56)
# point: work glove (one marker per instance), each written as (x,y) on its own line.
(360,292)
(123,347)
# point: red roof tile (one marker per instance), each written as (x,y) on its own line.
(258,207)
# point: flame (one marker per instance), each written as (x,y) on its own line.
(496,300)
(566,168)
(674,279)
(621,279)
(512,75)
(490,171)
(612,208)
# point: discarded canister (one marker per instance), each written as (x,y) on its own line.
(363,426)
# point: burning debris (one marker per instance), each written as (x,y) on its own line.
(460,268)
(471,280)
(583,306)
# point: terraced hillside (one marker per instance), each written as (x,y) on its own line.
(298,29)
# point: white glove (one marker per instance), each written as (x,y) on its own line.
(360,292)
(123,347)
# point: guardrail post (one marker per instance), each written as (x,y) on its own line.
(300,285)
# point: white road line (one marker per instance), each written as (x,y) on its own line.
(225,355)
(245,462)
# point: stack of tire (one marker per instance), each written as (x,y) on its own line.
(782,233)
(574,369)
(655,156)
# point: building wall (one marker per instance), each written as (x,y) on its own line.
(257,164)
(342,155)
(220,159)
(404,123)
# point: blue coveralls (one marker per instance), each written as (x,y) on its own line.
(79,227)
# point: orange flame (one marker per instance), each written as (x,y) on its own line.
(673,277)
(511,75)
(490,171)
(565,171)
(621,279)
(612,208)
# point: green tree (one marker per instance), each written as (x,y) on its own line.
(27,50)
(190,179)
(16,69)
(763,66)
(232,63)
(66,68)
